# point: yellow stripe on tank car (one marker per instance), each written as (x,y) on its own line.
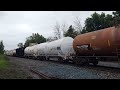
(108,43)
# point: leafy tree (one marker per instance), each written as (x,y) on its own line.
(1,47)
(35,38)
(20,45)
(84,30)
(116,16)
(71,32)
(97,22)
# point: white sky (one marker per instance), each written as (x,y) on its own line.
(15,26)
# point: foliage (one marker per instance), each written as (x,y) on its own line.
(20,45)
(35,38)
(1,47)
(116,18)
(71,32)
(3,62)
(97,22)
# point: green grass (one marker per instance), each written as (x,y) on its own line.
(3,62)
(10,70)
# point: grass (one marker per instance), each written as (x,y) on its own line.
(3,62)
(9,70)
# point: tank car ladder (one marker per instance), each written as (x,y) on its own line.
(118,54)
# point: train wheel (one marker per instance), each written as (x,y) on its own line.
(78,62)
(43,58)
(36,58)
(48,58)
(95,63)
(66,61)
(60,60)
(81,61)
(87,61)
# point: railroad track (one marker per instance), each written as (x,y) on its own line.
(105,67)
(41,75)
(89,66)
(102,67)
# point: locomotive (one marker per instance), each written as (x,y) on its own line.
(83,49)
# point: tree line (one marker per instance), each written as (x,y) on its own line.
(1,47)
(93,23)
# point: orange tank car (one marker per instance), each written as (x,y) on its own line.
(102,42)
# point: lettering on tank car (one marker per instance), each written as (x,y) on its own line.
(82,47)
(58,48)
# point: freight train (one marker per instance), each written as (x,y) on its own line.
(83,49)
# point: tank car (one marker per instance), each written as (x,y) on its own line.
(7,52)
(14,52)
(28,52)
(62,49)
(40,51)
(59,49)
(89,47)
(11,52)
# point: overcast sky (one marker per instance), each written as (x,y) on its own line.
(15,26)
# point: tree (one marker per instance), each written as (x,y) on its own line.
(77,24)
(20,45)
(116,16)
(97,22)
(71,32)
(57,31)
(35,38)
(64,27)
(49,39)
(1,47)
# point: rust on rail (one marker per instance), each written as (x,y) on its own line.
(41,75)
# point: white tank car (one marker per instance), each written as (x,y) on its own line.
(62,48)
(14,52)
(59,48)
(11,52)
(29,51)
(40,49)
(7,52)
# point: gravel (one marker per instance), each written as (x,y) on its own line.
(65,71)
(110,64)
